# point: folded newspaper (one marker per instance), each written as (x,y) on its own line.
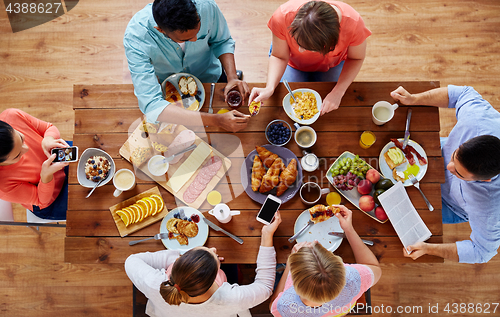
(403,216)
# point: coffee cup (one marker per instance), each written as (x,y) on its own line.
(382,112)
(311,192)
(223,213)
(305,136)
(123,180)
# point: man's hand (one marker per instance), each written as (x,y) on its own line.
(242,87)
(331,102)
(233,121)
(417,250)
(403,96)
(345,218)
(260,94)
(48,169)
(49,143)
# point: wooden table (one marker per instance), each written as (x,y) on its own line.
(104,113)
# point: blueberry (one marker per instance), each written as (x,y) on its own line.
(185,218)
(190,220)
(92,162)
(95,166)
(176,215)
(100,171)
(98,178)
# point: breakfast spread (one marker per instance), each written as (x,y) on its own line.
(141,209)
(96,168)
(276,176)
(306,107)
(320,213)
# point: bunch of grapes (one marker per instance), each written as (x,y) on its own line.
(357,167)
(346,182)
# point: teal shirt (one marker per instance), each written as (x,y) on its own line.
(152,56)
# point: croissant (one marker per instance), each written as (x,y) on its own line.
(271,179)
(287,177)
(258,171)
(320,213)
(267,157)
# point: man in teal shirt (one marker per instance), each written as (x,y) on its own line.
(168,37)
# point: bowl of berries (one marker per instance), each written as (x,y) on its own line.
(278,132)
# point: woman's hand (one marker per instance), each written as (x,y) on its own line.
(331,102)
(345,218)
(260,94)
(268,231)
(49,143)
(48,169)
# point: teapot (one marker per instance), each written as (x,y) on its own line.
(223,213)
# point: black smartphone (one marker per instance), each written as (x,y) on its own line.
(68,154)
(268,209)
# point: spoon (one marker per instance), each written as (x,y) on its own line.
(95,186)
(289,90)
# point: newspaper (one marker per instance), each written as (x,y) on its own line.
(403,216)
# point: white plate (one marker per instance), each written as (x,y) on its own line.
(387,172)
(319,231)
(291,113)
(80,174)
(174,79)
(197,241)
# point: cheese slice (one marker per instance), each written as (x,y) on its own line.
(189,167)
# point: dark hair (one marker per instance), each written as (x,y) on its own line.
(480,156)
(176,15)
(192,275)
(7,143)
(316,27)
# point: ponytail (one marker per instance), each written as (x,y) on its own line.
(172,293)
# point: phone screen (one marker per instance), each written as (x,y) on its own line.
(268,210)
(69,154)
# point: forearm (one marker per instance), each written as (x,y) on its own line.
(275,71)
(229,65)
(349,72)
(445,250)
(177,115)
(437,97)
(362,254)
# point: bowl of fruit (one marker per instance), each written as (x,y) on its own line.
(278,132)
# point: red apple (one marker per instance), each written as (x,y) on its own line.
(373,175)
(366,203)
(380,213)
(364,187)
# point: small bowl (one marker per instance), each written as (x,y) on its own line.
(80,174)
(285,124)
(161,169)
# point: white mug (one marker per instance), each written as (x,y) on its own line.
(223,213)
(123,180)
(305,136)
(382,112)
(319,191)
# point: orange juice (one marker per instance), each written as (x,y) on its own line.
(367,139)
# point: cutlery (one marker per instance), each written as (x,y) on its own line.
(407,130)
(212,90)
(342,235)
(217,228)
(415,183)
(170,158)
(95,186)
(157,236)
(308,224)
(289,90)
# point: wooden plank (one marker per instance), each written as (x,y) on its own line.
(85,250)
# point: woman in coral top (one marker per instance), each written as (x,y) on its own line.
(315,41)
(28,175)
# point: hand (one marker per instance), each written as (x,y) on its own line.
(260,94)
(241,86)
(49,143)
(417,250)
(268,230)
(48,169)
(345,218)
(331,102)
(299,245)
(233,121)
(403,96)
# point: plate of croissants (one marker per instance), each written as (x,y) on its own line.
(273,170)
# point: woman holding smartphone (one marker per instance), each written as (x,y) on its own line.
(192,284)
(28,175)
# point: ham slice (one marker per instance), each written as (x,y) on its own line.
(183,140)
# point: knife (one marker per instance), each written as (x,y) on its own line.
(212,89)
(217,228)
(342,235)
(407,131)
(170,158)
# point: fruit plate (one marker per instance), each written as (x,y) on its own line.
(319,231)
(291,113)
(124,231)
(174,79)
(351,195)
(386,170)
(197,241)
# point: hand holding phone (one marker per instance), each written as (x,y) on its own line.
(69,154)
(268,209)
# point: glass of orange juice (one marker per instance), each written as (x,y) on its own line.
(367,139)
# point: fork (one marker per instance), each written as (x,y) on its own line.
(415,183)
(157,236)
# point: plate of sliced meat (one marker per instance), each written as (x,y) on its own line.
(271,169)
(414,162)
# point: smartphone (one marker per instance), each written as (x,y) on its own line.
(68,154)
(268,209)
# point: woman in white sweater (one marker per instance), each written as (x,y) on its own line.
(192,284)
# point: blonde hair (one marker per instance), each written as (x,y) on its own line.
(192,275)
(317,274)
(316,27)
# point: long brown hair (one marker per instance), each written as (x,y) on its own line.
(317,274)
(316,27)
(192,275)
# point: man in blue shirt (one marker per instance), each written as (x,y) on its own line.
(172,36)
(472,188)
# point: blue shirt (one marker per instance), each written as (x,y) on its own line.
(152,56)
(476,201)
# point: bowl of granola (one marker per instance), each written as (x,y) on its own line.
(95,165)
(307,109)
